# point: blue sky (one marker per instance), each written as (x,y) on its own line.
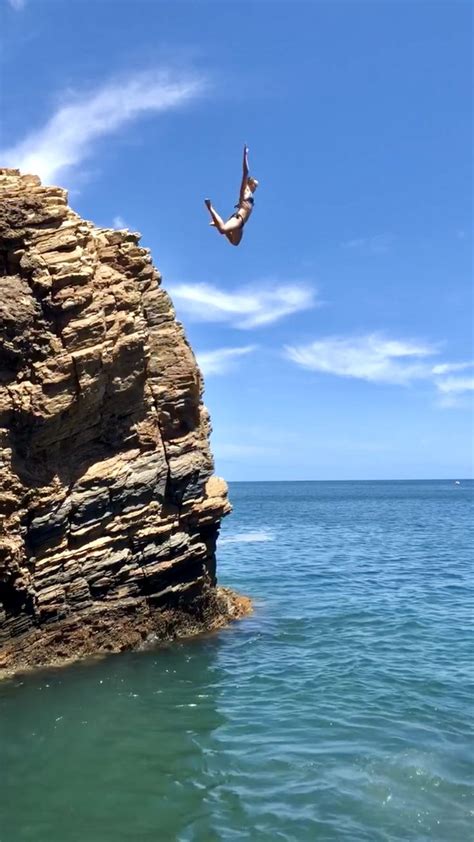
(336,341)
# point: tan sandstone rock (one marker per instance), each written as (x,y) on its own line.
(109,512)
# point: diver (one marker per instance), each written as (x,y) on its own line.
(234,227)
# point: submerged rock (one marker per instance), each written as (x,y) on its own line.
(109,510)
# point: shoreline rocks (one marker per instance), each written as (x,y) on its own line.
(133,625)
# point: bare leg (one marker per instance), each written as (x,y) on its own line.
(232,224)
(233,228)
(235,236)
(217,220)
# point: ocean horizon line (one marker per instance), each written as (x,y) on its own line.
(452,479)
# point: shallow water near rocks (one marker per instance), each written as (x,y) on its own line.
(340,710)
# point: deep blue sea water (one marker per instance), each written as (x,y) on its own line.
(341,710)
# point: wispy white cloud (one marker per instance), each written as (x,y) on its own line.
(373,358)
(377,244)
(221,360)
(456,385)
(455,391)
(17,4)
(246,308)
(447,368)
(378,359)
(69,136)
(119,222)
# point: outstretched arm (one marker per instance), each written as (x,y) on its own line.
(246,162)
(245,172)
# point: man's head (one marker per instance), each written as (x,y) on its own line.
(252,183)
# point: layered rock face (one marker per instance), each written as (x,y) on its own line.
(109,511)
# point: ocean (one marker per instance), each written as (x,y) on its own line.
(340,710)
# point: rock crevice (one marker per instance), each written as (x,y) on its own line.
(109,510)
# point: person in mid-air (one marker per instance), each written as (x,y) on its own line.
(234,227)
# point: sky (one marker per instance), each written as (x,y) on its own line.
(336,340)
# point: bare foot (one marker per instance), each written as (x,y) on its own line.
(207,202)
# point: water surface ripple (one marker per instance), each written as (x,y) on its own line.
(341,710)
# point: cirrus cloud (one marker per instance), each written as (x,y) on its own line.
(456,384)
(69,136)
(119,223)
(246,308)
(372,357)
(376,244)
(221,360)
(455,391)
(378,359)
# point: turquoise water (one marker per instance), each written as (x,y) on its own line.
(340,710)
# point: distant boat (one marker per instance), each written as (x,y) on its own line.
(456,482)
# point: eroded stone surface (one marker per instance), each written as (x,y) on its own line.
(107,498)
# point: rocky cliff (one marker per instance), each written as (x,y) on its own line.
(109,511)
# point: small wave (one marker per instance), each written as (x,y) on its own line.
(247,537)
